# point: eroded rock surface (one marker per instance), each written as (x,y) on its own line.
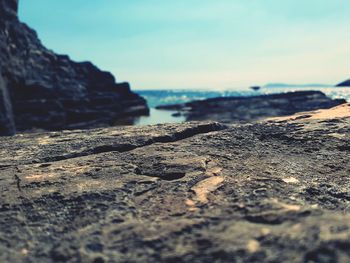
(245,109)
(42,90)
(273,191)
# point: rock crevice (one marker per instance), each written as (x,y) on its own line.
(69,145)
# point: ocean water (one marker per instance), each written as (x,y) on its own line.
(159,116)
(163,97)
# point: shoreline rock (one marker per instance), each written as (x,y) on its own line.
(345,83)
(246,109)
(270,191)
(52,92)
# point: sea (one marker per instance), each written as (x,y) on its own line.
(175,96)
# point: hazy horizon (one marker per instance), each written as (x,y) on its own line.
(200,44)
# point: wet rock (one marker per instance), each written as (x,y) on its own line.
(270,191)
(49,91)
(245,109)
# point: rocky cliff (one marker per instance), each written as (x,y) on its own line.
(245,109)
(270,191)
(40,89)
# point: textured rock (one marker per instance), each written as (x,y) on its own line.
(271,191)
(7,126)
(345,83)
(8,9)
(49,91)
(243,109)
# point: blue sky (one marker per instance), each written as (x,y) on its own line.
(214,44)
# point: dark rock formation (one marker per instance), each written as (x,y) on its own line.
(43,90)
(7,126)
(8,9)
(345,83)
(273,191)
(256,88)
(245,109)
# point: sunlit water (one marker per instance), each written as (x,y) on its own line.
(163,97)
(159,116)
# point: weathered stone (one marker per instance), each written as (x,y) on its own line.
(7,126)
(8,9)
(51,92)
(245,109)
(270,191)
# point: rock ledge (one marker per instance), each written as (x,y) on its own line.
(271,191)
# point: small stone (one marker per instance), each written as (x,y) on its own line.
(253,246)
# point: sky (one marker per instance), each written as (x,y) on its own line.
(204,44)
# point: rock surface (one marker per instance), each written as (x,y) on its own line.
(40,89)
(270,191)
(245,109)
(345,83)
